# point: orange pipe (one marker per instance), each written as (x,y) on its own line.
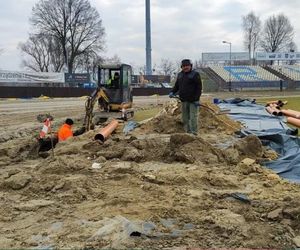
(272,102)
(273,111)
(294,111)
(291,113)
(106,131)
(278,102)
(269,102)
(273,105)
(294,121)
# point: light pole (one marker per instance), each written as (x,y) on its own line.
(229,82)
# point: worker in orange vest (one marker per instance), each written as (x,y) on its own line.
(65,131)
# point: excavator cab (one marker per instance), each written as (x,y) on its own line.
(113,95)
(115,80)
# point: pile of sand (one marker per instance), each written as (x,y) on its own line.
(211,119)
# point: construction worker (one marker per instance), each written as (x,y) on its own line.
(189,87)
(65,131)
(115,81)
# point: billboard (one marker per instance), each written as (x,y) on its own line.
(278,56)
(225,56)
(77,77)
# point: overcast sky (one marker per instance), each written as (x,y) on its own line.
(180,28)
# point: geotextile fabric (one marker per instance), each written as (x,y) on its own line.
(272,131)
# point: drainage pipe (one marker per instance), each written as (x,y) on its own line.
(278,102)
(291,113)
(293,121)
(106,131)
(274,111)
(273,105)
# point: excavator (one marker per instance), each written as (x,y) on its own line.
(113,95)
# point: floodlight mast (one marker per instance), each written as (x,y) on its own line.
(148,39)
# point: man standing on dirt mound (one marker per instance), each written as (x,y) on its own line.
(188,85)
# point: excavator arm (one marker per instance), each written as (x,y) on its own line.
(97,95)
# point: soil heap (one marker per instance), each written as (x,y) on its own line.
(155,187)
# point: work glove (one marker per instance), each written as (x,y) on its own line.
(171,95)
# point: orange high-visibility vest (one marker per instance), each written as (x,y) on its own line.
(64,132)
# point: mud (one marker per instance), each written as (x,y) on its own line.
(155,187)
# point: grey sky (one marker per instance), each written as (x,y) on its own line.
(180,28)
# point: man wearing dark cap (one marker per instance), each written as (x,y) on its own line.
(189,87)
(65,130)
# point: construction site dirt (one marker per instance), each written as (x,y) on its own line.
(154,187)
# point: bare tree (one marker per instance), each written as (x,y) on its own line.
(1,50)
(197,64)
(291,47)
(167,66)
(76,25)
(42,53)
(113,60)
(278,33)
(252,28)
(56,54)
(142,70)
(36,48)
(88,62)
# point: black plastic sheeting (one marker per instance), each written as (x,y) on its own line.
(272,131)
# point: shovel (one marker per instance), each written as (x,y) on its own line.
(220,112)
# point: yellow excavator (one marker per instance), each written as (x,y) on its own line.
(113,95)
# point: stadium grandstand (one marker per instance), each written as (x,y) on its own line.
(290,71)
(231,72)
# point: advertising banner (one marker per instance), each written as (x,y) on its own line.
(30,77)
(225,56)
(77,77)
(278,56)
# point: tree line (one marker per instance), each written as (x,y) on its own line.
(275,35)
(68,35)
